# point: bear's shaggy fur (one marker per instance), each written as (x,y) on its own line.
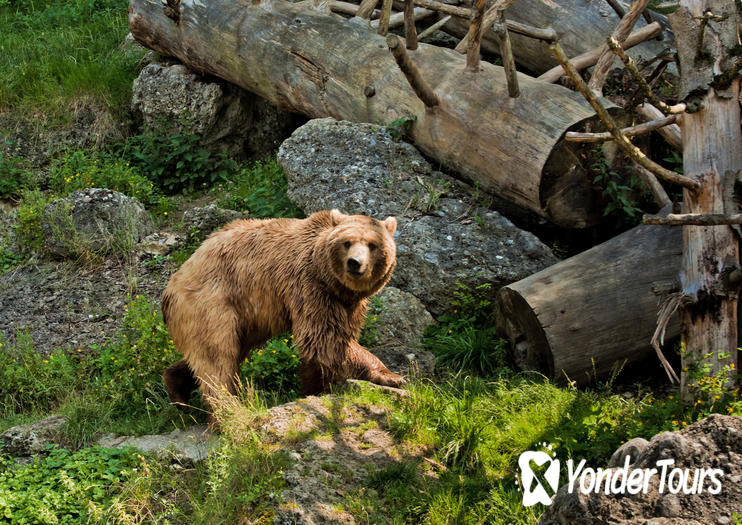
(255,279)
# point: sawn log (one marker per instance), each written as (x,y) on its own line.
(310,61)
(581,317)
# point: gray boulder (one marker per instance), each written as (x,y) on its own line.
(94,220)
(443,238)
(27,440)
(200,222)
(401,317)
(713,443)
(192,444)
(228,119)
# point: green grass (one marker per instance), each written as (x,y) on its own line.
(56,54)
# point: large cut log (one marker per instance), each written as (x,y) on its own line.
(582,316)
(316,63)
(582,25)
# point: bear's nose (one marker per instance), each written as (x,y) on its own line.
(354,266)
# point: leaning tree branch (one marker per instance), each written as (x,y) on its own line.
(386,14)
(411,72)
(475,29)
(490,16)
(622,31)
(410,32)
(655,188)
(631,150)
(693,219)
(435,27)
(670,133)
(639,129)
(506,52)
(645,87)
(589,58)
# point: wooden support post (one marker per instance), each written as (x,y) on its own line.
(506,52)
(472,54)
(386,13)
(410,32)
(622,31)
(416,81)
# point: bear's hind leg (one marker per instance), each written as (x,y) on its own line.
(179,382)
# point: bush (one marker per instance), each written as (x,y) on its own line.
(174,161)
(28,228)
(63,487)
(11,178)
(275,368)
(128,369)
(31,382)
(80,169)
(259,190)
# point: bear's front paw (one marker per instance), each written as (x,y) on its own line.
(388,379)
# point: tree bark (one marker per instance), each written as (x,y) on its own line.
(583,316)
(299,59)
(712,154)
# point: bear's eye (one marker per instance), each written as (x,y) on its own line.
(371,246)
(347,245)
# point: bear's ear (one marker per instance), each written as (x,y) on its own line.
(390,223)
(336,216)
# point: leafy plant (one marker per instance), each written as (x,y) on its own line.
(401,128)
(675,160)
(369,333)
(259,190)
(275,368)
(28,228)
(11,178)
(63,486)
(9,259)
(174,160)
(618,191)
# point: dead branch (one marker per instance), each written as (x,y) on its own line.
(622,31)
(589,58)
(410,32)
(670,133)
(366,8)
(411,72)
(658,192)
(475,29)
(489,18)
(639,129)
(386,13)
(435,27)
(668,308)
(397,19)
(693,219)
(346,8)
(631,150)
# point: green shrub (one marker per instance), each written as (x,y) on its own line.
(63,487)
(11,178)
(259,190)
(127,370)
(174,161)
(9,259)
(465,339)
(28,228)
(370,332)
(30,381)
(275,368)
(78,170)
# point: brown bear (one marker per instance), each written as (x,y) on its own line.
(255,279)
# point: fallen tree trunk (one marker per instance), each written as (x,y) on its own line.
(581,26)
(319,64)
(583,316)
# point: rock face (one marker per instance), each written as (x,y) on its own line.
(443,238)
(714,443)
(192,444)
(96,220)
(227,118)
(200,222)
(402,318)
(26,440)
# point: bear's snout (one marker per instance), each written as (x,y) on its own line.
(357,261)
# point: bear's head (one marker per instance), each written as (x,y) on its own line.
(361,250)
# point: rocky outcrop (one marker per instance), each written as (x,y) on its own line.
(94,220)
(199,223)
(713,443)
(400,317)
(27,440)
(443,238)
(190,444)
(228,119)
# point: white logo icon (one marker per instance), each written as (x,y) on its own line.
(534,490)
